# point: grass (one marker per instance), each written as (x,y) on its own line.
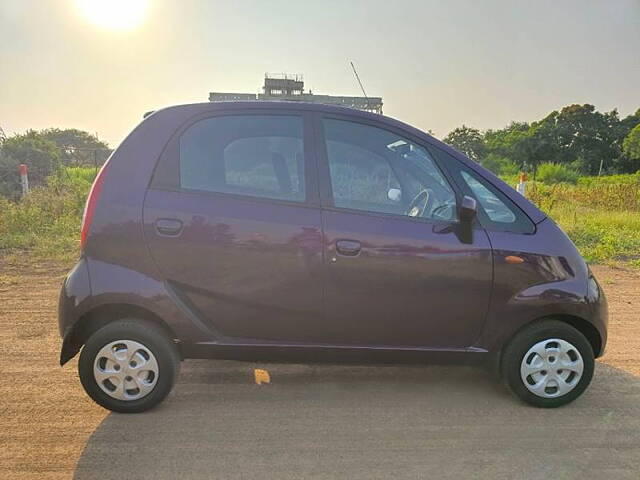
(47,221)
(600,214)
(602,236)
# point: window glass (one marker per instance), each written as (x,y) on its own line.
(495,208)
(255,155)
(375,170)
(361,179)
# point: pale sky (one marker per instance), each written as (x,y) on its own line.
(437,64)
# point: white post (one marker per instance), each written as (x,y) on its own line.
(24,179)
(521,187)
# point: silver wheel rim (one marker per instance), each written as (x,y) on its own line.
(551,368)
(125,370)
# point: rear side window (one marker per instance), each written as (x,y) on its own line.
(253,155)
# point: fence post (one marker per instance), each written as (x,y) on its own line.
(522,185)
(24,179)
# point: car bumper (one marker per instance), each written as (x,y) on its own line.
(599,311)
(74,295)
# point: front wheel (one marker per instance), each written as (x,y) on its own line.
(548,364)
(128,366)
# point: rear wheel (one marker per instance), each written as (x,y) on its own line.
(548,364)
(128,366)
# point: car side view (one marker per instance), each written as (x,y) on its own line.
(292,231)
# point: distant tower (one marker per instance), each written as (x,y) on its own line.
(282,85)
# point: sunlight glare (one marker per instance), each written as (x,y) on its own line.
(114,14)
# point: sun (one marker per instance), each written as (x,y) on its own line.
(114,14)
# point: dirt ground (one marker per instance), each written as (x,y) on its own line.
(45,417)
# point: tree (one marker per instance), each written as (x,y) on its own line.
(584,137)
(39,154)
(631,146)
(500,165)
(505,142)
(468,141)
(77,147)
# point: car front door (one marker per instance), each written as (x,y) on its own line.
(233,222)
(397,270)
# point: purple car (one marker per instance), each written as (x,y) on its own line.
(286,231)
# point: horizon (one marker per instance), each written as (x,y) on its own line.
(65,67)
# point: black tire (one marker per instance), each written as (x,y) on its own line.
(529,336)
(145,333)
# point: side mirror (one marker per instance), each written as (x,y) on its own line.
(468,209)
(394,194)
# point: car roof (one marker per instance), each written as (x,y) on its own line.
(275,104)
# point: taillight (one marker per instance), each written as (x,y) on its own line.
(90,206)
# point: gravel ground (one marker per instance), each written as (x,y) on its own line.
(311,421)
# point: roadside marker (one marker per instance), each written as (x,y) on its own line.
(24,179)
(261,376)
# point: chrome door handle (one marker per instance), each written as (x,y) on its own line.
(169,227)
(349,248)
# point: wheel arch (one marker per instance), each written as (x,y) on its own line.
(586,328)
(101,315)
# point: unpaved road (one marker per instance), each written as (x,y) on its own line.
(312,421)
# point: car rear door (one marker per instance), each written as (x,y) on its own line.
(233,223)
(398,272)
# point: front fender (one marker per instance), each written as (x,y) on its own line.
(560,298)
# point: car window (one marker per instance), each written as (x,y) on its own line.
(495,208)
(375,170)
(254,155)
(361,179)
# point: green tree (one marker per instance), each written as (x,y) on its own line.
(77,147)
(624,163)
(500,165)
(503,142)
(468,141)
(631,145)
(583,137)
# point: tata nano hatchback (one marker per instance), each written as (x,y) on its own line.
(293,231)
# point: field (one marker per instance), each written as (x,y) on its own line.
(600,214)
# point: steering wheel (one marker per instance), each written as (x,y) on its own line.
(423,198)
(437,212)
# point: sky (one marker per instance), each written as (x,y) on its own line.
(436,64)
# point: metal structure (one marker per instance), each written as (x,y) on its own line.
(290,87)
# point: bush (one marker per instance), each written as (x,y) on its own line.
(47,221)
(623,179)
(39,154)
(556,173)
